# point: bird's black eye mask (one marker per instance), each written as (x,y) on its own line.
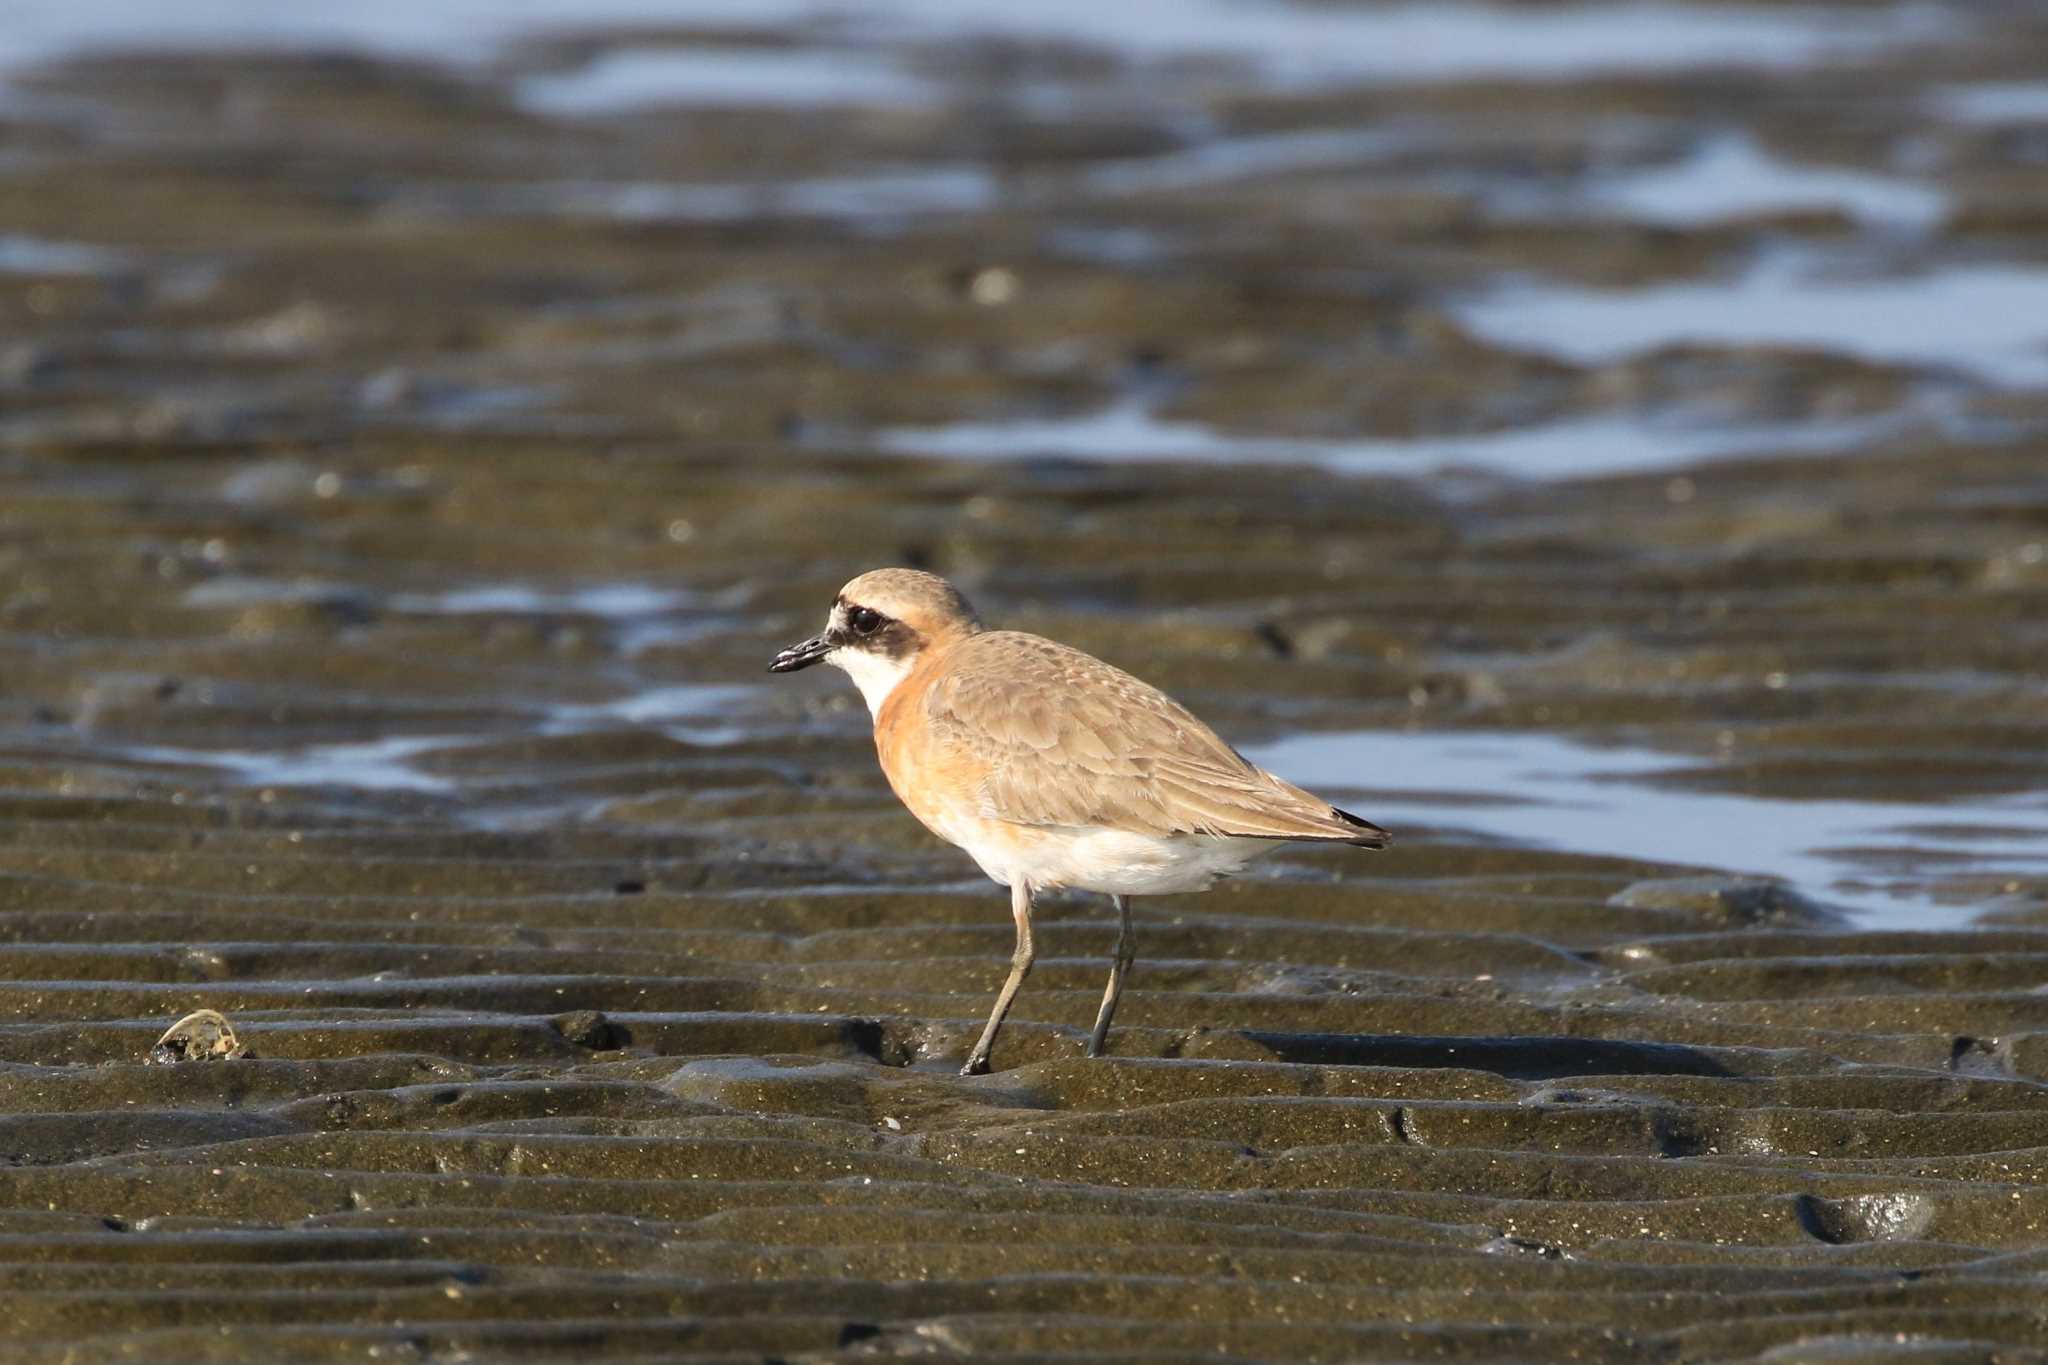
(857,626)
(870,631)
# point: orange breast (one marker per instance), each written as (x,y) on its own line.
(939,783)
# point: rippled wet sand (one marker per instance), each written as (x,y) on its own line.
(402,489)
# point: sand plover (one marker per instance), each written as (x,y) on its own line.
(1050,767)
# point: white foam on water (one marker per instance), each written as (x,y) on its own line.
(1578,447)
(1543,789)
(1987,321)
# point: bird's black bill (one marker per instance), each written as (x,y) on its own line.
(804,655)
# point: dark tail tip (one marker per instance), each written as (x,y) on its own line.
(1369,834)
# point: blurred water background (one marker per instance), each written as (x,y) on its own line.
(1740,231)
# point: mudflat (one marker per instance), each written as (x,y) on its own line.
(407,468)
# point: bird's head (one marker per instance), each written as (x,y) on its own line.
(878,626)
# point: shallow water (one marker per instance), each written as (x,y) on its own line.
(620,601)
(884,197)
(1730,176)
(1882,862)
(375,765)
(619,81)
(1601,443)
(1987,321)
(1995,102)
(1633,803)
(21,255)
(1129,432)
(1289,45)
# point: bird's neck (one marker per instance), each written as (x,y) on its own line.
(883,679)
(876,675)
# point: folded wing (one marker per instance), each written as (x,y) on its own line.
(1068,740)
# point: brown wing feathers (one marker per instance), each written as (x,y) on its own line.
(1068,740)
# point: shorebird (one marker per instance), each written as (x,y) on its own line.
(1050,767)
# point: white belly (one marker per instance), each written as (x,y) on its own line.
(1110,861)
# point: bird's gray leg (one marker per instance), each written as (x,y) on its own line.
(1125,952)
(1020,967)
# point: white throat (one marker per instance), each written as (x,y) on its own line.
(874,675)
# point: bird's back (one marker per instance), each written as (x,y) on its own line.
(1034,733)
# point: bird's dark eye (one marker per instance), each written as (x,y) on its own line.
(864,620)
